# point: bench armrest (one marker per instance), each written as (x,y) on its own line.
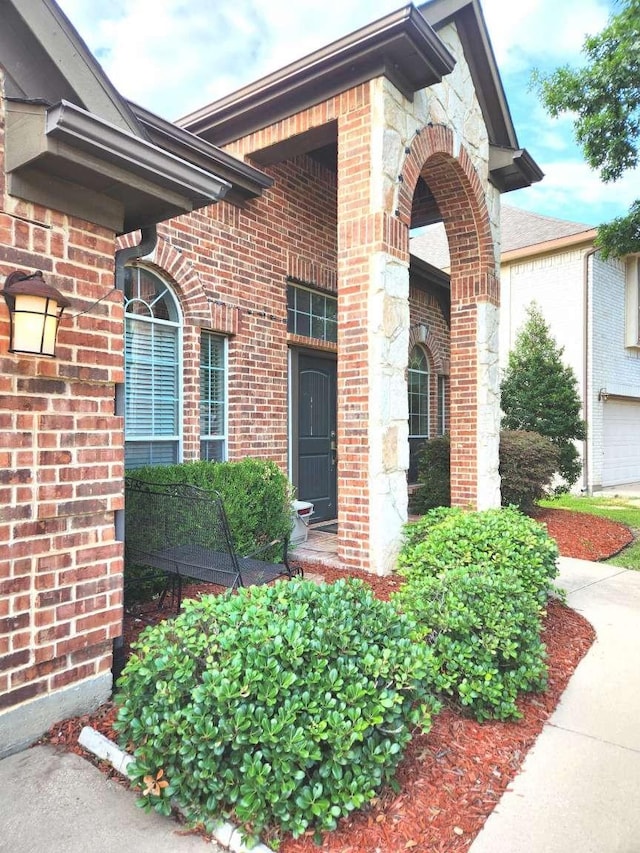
(263,548)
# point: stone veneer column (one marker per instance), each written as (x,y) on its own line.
(373,290)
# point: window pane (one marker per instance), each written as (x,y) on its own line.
(138,453)
(152,371)
(303,300)
(212,451)
(303,325)
(212,396)
(418,389)
(312,314)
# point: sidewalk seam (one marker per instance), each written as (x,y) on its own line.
(592,737)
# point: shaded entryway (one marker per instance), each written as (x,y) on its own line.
(314,439)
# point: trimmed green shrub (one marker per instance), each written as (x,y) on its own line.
(477,584)
(257,500)
(433,475)
(256,494)
(282,706)
(528,462)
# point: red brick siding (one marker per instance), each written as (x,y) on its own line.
(61,449)
(229,267)
(460,198)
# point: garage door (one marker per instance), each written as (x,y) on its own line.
(621,442)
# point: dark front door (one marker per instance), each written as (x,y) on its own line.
(315,448)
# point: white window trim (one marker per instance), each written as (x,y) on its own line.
(225,363)
(179,325)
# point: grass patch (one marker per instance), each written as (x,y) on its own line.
(624,510)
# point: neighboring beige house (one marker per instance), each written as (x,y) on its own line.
(592,308)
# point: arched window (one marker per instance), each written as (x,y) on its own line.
(153,370)
(418,378)
(419,414)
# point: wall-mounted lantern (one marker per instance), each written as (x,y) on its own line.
(35,308)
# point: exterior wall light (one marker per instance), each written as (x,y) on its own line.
(35,309)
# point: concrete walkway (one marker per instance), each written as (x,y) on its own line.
(56,802)
(579,787)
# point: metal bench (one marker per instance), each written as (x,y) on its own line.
(183,531)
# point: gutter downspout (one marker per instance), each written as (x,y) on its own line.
(148,241)
(586,459)
(149,238)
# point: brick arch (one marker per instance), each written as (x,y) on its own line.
(420,334)
(443,162)
(460,196)
(167,261)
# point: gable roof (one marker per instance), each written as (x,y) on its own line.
(523,233)
(403,46)
(73,143)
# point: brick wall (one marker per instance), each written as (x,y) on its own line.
(460,196)
(61,473)
(229,266)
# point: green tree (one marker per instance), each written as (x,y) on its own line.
(604,98)
(540,393)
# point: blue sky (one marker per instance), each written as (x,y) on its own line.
(174,56)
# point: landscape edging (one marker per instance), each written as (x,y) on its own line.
(225,833)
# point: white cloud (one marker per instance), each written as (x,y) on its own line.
(571,190)
(538,33)
(175,56)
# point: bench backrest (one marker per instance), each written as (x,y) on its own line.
(159,516)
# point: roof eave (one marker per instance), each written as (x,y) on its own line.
(401,46)
(69,159)
(572,241)
(246,181)
(512,170)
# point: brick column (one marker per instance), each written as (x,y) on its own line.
(373,290)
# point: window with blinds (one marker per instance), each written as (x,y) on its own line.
(418,380)
(213,396)
(153,370)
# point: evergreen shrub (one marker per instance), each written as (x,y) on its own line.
(433,476)
(528,462)
(539,393)
(287,705)
(477,583)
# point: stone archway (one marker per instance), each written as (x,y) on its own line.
(474,378)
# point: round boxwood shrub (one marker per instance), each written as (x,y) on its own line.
(494,539)
(280,706)
(477,584)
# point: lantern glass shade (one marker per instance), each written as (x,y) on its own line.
(35,308)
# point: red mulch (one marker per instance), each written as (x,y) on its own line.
(451,778)
(584,536)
